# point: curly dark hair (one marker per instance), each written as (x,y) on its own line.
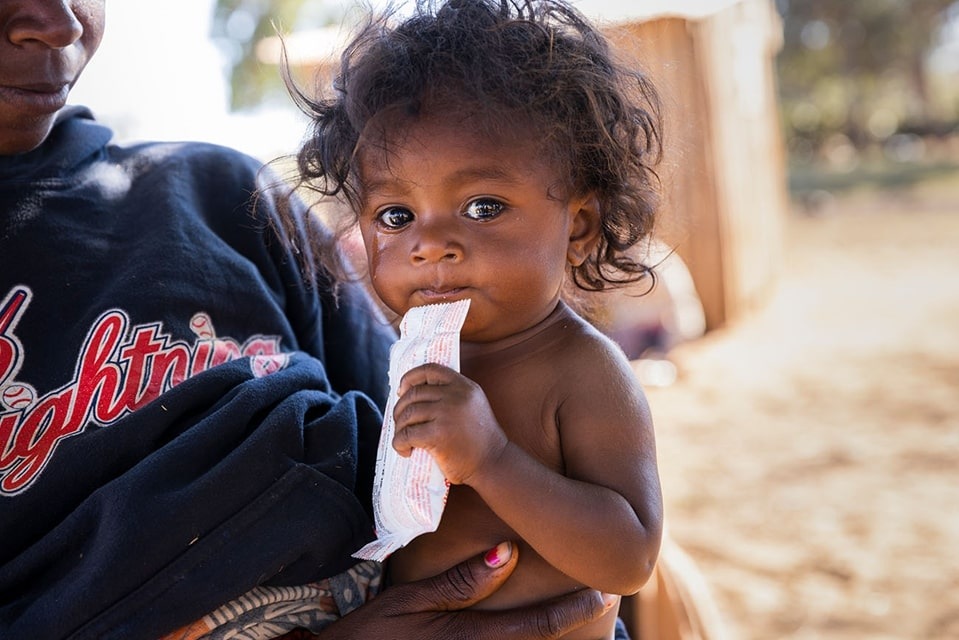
(537,65)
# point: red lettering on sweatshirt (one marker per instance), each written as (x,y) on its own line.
(118,370)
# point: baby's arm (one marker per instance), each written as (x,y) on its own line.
(601,523)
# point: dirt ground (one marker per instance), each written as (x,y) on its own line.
(810,452)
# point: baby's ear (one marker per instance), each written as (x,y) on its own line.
(584,228)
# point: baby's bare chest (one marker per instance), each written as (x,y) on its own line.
(527,402)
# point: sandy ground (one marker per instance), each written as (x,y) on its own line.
(810,452)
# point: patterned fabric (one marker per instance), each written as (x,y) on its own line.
(266,613)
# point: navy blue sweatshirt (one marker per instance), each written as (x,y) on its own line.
(181,417)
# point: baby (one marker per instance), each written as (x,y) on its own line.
(495,151)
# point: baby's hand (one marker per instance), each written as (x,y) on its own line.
(447,414)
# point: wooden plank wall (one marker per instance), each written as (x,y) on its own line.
(688,219)
(723,169)
(737,49)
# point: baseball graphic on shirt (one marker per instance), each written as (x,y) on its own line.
(265,364)
(18,396)
(202,326)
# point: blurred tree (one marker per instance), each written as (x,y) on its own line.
(240,25)
(857,66)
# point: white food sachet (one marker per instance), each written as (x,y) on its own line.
(409,493)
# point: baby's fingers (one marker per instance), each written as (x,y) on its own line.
(426,374)
(414,417)
(414,435)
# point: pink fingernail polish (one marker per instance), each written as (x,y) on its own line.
(498,555)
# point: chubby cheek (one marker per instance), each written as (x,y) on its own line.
(385,259)
(521,285)
(529,271)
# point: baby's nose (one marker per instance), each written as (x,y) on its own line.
(436,243)
(430,251)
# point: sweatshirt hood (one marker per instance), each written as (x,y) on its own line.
(76,139)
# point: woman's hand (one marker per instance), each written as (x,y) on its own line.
(432,609)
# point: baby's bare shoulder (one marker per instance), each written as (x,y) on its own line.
(588,358)
(582,337)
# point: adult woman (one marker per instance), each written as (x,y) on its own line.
(184,418)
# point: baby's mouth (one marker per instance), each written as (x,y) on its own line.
(441,294)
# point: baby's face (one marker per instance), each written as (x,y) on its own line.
(447,215)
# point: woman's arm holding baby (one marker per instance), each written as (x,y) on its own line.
(438,607)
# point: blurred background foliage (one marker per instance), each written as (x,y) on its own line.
(240,27)
(869,89)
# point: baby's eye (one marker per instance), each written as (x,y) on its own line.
(394,217)
(484,209)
